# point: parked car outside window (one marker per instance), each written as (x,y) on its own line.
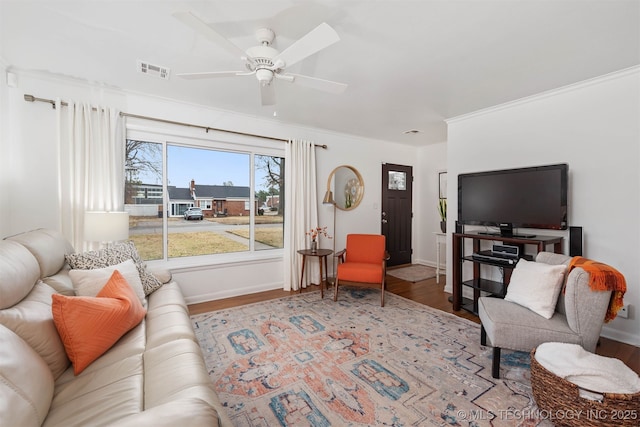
(193,213)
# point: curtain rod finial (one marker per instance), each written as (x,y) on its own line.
(31,98)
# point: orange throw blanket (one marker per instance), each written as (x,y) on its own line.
(603,277)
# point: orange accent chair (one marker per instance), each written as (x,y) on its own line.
(363,263)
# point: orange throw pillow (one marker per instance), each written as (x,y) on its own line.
(89,326)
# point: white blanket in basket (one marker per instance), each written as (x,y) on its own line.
(587,370)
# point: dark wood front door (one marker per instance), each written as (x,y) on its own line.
(397,212)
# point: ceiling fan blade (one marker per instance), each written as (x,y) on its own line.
(319,84)
(317,39)
(268,94)
(211,74)
(202,28)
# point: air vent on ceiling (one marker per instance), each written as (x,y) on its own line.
(153,70)
(411,132)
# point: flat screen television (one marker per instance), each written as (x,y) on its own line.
(531,197)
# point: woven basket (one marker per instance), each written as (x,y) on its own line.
(559,401)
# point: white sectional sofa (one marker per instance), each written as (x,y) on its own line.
(153,376)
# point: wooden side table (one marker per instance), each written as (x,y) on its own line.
(321,254)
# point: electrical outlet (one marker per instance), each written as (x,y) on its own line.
(624,311)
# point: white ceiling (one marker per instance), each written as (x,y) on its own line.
(408,64)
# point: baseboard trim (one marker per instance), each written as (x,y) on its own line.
(229,293)
(621,336)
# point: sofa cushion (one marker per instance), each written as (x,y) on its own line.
(112,255)
(32,320)
(162,274)
(26,383)
(19,271)
(189,411)
(88,283)
(169,294)
(131,344)
(168,323)
(99,397)
(176,370)
(90,326)
(536,285)
(48,246)
(61,282)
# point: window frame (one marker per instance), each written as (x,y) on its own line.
(189,137)
(206,204)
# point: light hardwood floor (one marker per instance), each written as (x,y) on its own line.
(426,292)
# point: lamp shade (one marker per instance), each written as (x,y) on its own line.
(328,198)
(106,226)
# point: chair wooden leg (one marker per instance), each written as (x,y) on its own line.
(495,368)
(483,336)
(382,295)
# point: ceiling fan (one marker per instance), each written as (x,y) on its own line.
(264,61)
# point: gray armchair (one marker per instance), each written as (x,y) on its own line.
(578,317)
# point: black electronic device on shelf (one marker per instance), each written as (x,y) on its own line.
(506,251)
(531,197)
(498,258)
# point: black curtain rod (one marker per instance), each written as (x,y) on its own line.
(31,98)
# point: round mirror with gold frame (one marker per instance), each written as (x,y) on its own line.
(347,186)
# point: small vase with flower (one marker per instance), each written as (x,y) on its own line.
(315,233)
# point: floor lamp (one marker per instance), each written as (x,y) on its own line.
(328,200)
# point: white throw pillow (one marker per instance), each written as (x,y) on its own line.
(536,285)
(88,283)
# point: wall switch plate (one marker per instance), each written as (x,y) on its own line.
(624,312)
(12,79)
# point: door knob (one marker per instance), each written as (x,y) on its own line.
(384,221)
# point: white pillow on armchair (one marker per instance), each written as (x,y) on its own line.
(536,286)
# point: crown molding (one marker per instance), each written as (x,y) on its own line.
(547,94)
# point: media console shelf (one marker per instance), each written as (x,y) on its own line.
(477,283)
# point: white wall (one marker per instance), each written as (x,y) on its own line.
(29,172)
(432,160)
(29,152)
(367,156)
(595,128)
(4,151)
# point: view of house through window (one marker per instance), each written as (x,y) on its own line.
(206,199)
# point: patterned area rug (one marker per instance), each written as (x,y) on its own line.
(303,360)
(413,273)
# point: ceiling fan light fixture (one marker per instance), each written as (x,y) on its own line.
(264,76)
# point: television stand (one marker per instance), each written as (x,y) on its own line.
(481,285)
(515,236)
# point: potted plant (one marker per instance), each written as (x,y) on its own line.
(442,210)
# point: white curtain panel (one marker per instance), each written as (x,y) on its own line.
(91,165)
(301,212)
